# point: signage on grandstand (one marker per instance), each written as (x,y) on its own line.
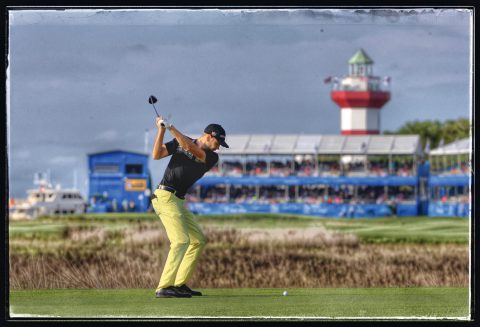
(135,184)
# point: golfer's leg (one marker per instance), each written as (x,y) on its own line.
(170,214)
(197,243)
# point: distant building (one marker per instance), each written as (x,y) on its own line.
(119,181)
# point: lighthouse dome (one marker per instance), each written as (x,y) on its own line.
(361,64)
(360,57)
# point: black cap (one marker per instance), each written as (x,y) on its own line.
(217,132)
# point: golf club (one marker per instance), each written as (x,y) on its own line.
(152,100)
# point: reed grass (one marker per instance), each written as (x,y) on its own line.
(133,257)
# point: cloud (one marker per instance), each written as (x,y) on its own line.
(137,48)
(64,160)
(236,16)
(109,135)
(20,154)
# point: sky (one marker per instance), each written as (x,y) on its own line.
(78,80)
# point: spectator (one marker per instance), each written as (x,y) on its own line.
(114,205)
(392,204)
(351,209)
(131,206)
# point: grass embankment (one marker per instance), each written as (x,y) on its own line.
(112,251)
(416,303)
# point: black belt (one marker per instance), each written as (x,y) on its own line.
(169,189)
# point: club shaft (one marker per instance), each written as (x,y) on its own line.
(155,110)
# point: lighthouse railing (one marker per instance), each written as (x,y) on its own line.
(361,83)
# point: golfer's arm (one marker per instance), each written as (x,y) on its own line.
(188,145)
(159,149)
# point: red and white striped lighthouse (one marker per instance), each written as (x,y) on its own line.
(360,96)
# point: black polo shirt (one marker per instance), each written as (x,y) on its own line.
(184,169)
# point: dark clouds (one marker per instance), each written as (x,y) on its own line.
(79,81)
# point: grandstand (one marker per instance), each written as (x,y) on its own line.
(449,179)
(327,175)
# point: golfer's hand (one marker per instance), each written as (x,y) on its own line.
(162,123)
(158,122)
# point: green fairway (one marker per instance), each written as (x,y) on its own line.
(326,303)
(408,229)
(373,230)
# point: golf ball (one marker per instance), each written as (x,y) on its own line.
(285,293)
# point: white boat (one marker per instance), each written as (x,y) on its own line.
(46,201)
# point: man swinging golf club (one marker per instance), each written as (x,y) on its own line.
(190,160)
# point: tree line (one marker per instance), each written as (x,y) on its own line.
(435,131)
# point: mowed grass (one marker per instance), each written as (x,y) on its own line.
(411,229)
(326,303)
(373,230)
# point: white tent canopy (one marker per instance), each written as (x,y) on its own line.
(458,147)
(288,144)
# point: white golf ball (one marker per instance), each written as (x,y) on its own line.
(285,293)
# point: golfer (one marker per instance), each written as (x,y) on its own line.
(190,160)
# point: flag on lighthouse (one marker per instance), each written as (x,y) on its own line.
(386,80)
(327,80)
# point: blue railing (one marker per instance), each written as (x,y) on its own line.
(449,180)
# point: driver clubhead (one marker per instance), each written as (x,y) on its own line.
(152,99)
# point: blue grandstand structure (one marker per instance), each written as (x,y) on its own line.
(311,174)
(119,181)
(450,179)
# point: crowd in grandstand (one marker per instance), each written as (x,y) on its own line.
(308,167)
(455,199)
(379,166)
(310,194)
(332,166)
(455,169)
(458,164)
(450,194)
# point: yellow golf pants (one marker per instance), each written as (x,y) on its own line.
(186,239)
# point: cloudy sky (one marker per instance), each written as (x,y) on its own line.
(78,80)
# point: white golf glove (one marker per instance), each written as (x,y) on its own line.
(164,123)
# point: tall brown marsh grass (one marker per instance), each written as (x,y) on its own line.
(314,257)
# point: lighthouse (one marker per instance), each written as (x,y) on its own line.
(360,96)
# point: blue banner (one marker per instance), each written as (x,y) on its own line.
(439,209)
(407,209)
(308,180)
(449,180)
(320,210)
